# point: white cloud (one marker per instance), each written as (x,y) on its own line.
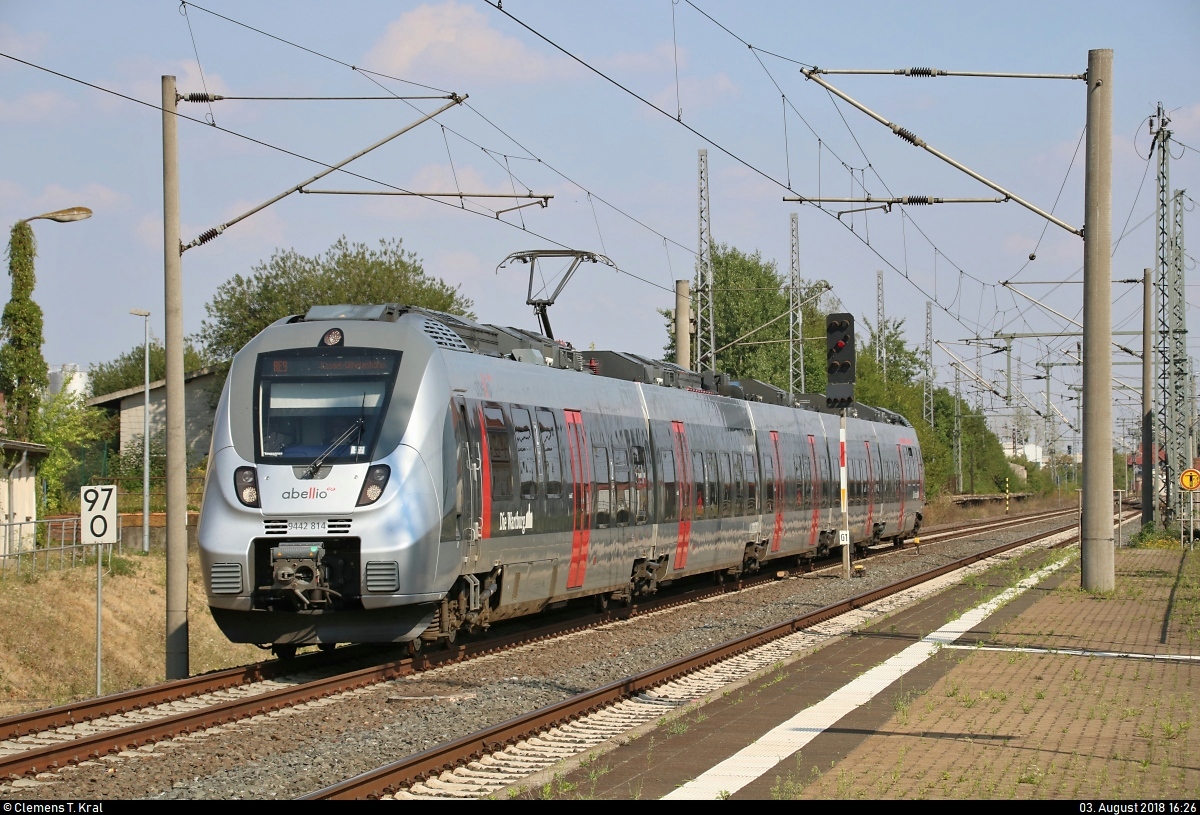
(696,93)
(660,58)
(440,44)
(96,197)
(35,106)
(22,44)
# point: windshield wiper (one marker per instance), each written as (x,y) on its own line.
(319,460)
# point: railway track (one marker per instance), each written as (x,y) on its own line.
(46,740)
(496,757)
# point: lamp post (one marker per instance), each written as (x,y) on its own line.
(137,312)
(20,253)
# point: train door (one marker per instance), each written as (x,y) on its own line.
(776,475)
(868,529)
(815,491)
(901,485)
(580,497)
(683,486)
(467,454)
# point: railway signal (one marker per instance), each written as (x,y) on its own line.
(839,348)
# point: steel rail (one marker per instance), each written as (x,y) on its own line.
(446,757)
(91,746)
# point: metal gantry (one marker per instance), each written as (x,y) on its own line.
(796,319)
(706,333)
(929,363)
(1170,342)
(880,318)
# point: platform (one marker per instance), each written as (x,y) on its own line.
(1054,693)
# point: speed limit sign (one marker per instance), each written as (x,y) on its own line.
(98,512)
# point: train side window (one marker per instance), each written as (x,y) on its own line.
(641,485)
(670,504)
(738,485)
(603,487)
(621,483)
(726,486)
(551,455)
(698,476)
(526,457)
(499,453)
(711,498)
(769,482)
(751,486)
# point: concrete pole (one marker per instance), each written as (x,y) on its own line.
(1149,453)
(146,439)
(1096,523)
(683,324)
(177,564)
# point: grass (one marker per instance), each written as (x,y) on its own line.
(57,664)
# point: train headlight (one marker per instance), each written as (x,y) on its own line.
(245,484)
(333,336)
(372,488)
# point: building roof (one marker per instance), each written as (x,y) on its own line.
(107,399)
(35,450)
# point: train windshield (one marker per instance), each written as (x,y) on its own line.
(326,404)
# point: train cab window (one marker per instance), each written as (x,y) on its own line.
(551,455)
(712,506)
(499,453)
(526,456)
(769,483)
(670,502)
(738,485)
(641,485)
(621,484)
(698,477)
(603,487)
(751,486)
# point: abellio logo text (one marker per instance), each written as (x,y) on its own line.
(311,493)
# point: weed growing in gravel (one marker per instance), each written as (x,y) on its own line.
(677,727)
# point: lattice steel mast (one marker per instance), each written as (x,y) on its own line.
(929,363)
(880,318)
(706,333)
(796,319)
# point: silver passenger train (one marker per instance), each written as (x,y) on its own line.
(393,474)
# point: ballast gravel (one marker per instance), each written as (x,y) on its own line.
(289,753)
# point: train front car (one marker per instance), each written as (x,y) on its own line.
(323,501)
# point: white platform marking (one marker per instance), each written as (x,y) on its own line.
(756,759)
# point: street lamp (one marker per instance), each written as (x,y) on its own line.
(137,312)
(64,216)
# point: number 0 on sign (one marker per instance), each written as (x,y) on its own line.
(98,512)
(1189,479)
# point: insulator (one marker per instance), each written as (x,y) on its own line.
(908,135)
(918,200)
(207,236)
(922,72)
(201,97)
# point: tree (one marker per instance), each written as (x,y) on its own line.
(65,425)
(128,370)
(751,296)
(23,373)
(291,283)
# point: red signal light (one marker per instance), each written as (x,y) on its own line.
(840,345)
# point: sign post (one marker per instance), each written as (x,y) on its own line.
(1189,479)
(98,512)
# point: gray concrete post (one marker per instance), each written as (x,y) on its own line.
(683,324)
(177,565)
(1096,521)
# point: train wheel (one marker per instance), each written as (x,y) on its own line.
(601,602)
(326,647)
(284,652)
(414,647)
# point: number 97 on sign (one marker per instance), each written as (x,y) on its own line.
(98,512)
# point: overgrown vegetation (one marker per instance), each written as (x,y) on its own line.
(23,373)
(129,369)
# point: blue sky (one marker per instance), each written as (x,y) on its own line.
(609,160)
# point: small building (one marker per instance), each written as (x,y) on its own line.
(70,376)
(199,407)
(18,494)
